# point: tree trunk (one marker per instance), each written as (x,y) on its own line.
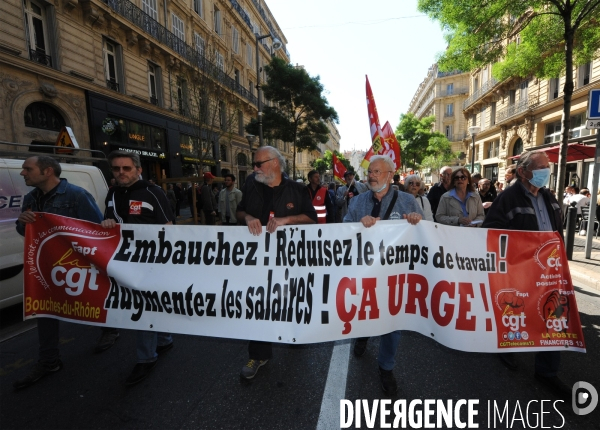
(566,116)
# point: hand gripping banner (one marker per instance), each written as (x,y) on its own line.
(470,289)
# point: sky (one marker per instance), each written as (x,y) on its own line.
(343,40)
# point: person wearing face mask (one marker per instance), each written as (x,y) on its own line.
(529,205)
(381,203)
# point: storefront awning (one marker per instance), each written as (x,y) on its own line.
(575,152)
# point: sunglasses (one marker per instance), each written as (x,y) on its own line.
(459,178)
(418,184)
(117,169)
(258,164)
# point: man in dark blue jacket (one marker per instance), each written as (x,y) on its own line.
(51,195)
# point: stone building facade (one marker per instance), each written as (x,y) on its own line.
(521,114)
(123,75)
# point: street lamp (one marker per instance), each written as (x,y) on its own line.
(473,130)
(276,45)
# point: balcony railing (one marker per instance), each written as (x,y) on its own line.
(453,92)
(154,100)
(144,21)
(479,92)
(112,85)
(516,108)
(456,137)
(448,114)
(40,57)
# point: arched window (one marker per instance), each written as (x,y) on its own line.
(44,116)
(517,147)
(242,159)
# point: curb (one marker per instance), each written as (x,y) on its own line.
(580,277)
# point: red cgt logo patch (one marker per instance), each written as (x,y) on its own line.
(290,206)
(135,208)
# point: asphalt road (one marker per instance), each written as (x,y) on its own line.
(196,385)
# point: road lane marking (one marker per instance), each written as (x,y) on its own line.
(335,387)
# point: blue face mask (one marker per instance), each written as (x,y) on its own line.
(540,177)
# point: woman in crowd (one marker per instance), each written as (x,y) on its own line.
(461,205)
(413,184)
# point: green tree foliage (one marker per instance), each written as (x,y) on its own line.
(420,143)
(439,153)
(326,163)
(299,109)
(545,38)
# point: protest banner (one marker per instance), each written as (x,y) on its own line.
(470,289)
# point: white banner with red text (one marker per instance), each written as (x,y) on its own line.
(470,289)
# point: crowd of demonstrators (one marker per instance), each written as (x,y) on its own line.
(382,202)
(459,199)
(54,195)
(270,200)
(229,199)
(461,205)
(414,184)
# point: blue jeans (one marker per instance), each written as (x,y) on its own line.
(147,341)
(388,345)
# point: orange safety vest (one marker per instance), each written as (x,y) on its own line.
(318,202)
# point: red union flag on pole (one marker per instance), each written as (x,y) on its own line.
(338,169)
(390,147)
(376,133)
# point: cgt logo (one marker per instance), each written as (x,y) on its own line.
(553,259)
(584,397)
(135,208)
(549,255)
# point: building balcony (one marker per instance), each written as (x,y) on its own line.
(40,57)
(449,114)
(113,85)
(153,28)
(517,108)
(479,92)
(453,92)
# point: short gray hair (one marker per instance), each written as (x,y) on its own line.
(274,153)
(135,158)
(413,177)
(443,169)
(43,162)
(386,159)
(526,159)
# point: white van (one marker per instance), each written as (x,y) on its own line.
(12,193)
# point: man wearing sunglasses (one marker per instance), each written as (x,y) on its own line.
(270,200)
(438,190)
(135,201)
(381,202)
(529,205)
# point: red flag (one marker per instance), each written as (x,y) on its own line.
(391,147)
(375,128)
(338,170)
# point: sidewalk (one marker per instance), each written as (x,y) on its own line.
(583,271)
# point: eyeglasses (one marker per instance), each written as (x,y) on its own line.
(460,178)
(377,172)
(417,184)
(258,164)
(117,169)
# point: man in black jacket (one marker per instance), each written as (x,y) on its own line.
(528,205)
(135,201)
(438,190)
(269,199)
